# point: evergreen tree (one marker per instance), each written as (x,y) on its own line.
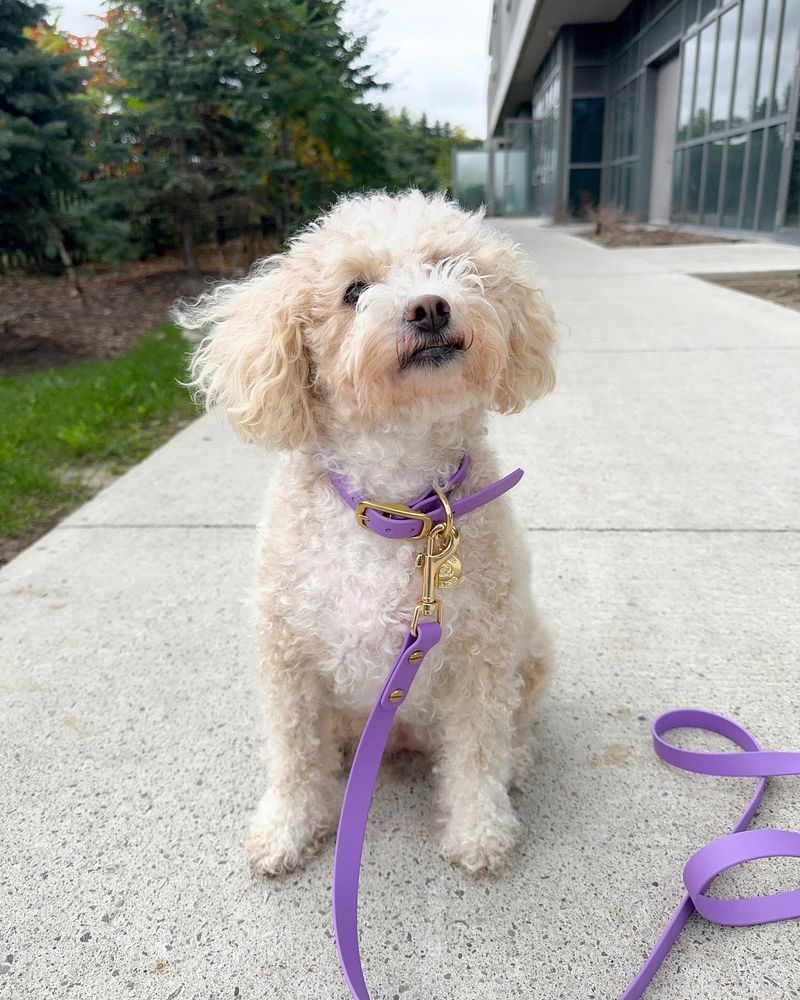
(180,105)
(234,108)
(312,81)
(42,127)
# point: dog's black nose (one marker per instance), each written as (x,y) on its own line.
(428,313)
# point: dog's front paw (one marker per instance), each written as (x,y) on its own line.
(284,832)
(479,837)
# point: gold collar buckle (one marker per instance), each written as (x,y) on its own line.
(398,510)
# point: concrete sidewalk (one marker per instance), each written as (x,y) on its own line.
(662,501)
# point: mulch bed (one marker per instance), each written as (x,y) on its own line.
(641,236)
(782,287)
(43,323)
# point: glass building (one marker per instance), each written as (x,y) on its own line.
(674,111)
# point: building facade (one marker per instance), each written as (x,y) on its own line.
(674,111)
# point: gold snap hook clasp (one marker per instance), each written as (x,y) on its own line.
(431,562)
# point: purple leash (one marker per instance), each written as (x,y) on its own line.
(741,845)
(737,847)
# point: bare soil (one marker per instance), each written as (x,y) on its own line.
(782,287)
(641,236)
(10,547)
(44,323)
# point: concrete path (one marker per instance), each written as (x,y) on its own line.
(662,505)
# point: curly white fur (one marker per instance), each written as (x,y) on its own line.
(329,383)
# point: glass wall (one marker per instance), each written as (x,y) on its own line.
(726,62)
(705,76)
(471,177)
(643,32)
(732,198)
(625,145)
(737,74)
(510,173)
(545,137)
(687,87)
(747,61)
(586,154)
(499,178)
(793,201)
(587,130)
(787,58)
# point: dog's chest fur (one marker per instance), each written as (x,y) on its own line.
(354,592)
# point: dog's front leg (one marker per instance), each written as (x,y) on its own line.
(301,804)
(475,762)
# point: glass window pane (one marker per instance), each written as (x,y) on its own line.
(706,6)
(737,144)
(693,183)
(677,184)
(772,171)
(705,71)
(751,180)
(708,216)
(471,173)
(768,53)
(726,51)
(630,146)
(748,59)
(793,201)
(587,130)
(624,187)
(786,57)
(687,88)
(623,121)
(584,190)
(629,184)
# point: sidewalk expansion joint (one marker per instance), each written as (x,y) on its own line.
(538,528)
(147,524)
(681,350)
(673,531)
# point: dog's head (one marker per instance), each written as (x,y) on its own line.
(385,312)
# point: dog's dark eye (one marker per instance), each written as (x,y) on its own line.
(353,292)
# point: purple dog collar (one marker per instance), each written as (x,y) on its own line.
(737,847)
(402,521)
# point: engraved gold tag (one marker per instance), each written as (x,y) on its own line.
(449,573)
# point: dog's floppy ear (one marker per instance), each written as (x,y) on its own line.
(529,372)
(254,361)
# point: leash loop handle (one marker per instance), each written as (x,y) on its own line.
(737,847)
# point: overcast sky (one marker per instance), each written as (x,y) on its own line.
(432,52)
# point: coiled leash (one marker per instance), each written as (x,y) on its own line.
(431,516)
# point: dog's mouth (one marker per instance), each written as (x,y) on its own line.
(431,353)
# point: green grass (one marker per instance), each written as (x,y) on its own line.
(56,425)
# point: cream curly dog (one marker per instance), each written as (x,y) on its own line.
(376,347)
